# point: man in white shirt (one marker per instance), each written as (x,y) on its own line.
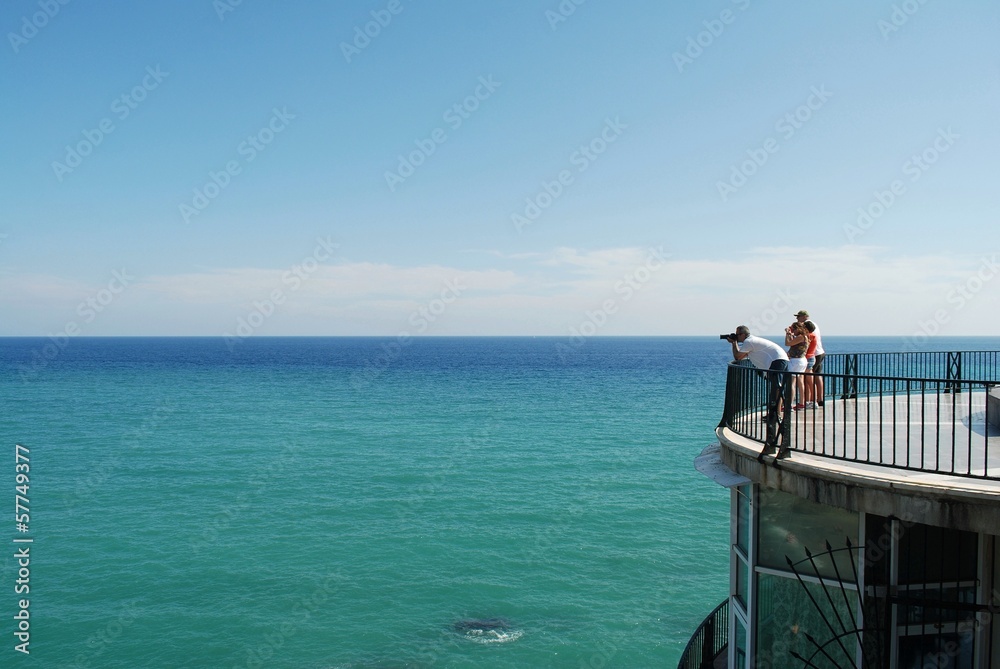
(766,355)
(763,353)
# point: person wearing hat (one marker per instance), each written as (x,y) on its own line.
(815,355)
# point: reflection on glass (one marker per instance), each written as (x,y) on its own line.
(741,645)
(942,651)
(789,524)
(878,549)
(743,518)
(928,554)
(937,590)
(742,582)
(936,604)
(786,614)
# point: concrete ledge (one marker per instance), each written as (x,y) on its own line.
(932,499)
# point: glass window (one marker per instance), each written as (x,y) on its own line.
(994,628)
(742,582)
(788,610)
(935,596)
(995,599)
(743,518)
(878,549)
(741,644)
(936,554)
(788,525)
(941,651)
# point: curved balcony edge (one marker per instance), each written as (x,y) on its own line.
(912,496)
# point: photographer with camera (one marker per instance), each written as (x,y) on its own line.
(768,356)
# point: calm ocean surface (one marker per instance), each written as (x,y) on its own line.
(350,502)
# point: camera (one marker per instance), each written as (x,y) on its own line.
(731,335)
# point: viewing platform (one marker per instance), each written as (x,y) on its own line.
(864,531)
(923,449)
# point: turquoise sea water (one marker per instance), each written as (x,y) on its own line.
(340,502)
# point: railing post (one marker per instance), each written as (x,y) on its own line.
(954,372)
(850,377)
(707,643)
(738,392)
(786,415)
(729,403)
(772,416)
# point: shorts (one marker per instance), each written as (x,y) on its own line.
(796,364)
(810,361)
(818,367)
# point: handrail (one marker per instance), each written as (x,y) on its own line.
(925,423)
(952,365)
(710,639)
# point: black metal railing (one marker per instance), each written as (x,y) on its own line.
(872,414)
(710,639)
(950,365)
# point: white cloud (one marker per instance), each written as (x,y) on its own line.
(849,290)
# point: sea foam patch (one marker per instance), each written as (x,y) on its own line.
(487,630)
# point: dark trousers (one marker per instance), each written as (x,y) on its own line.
(777,387)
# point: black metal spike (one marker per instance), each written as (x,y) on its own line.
(799,657)
(821,649)
(843,593)
(833,606)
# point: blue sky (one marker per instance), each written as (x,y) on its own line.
(640,168)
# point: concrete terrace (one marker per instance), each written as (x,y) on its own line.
(943,433)
(869,452)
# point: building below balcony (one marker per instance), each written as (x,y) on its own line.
(872,541)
